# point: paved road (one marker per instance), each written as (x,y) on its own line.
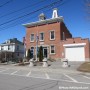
(20,79)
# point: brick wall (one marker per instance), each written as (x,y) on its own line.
(76,41)
(58,27)
(63,29)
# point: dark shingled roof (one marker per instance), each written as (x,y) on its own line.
(14,40)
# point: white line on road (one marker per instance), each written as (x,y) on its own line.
(50,79)
(47,76)
(71,78)
(28,74)
(1,67)
(4,70)
(86,77)
(14,72)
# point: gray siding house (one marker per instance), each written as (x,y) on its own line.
(11,50)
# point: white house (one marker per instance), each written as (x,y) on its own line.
(11,49)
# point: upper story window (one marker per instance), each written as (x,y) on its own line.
(42,36)
(52,49)
(2,47)
(17,48)
(52,35)
(32,38)
(8,47)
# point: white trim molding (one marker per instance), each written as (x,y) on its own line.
(75,44)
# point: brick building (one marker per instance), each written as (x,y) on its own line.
(54,37)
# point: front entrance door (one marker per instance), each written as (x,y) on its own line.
(45,51)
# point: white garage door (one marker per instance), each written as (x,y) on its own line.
(75,53)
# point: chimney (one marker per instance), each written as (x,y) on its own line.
(55,13)
(42,17)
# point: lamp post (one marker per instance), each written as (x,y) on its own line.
(37,38)
(24,42)
(36,51)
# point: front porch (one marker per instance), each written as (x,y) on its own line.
(6,56)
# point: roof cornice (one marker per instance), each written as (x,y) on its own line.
(42,22)
(7,44)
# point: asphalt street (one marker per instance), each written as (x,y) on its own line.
(20,79)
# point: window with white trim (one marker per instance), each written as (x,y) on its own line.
(8,47)
(52,35)
(2,47)
(52,49)
(32,37)
(42,36)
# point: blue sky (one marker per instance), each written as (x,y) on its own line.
(73,11)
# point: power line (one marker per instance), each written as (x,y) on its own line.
(6,3)
(22,21)
(31,5)
(47,6)
(87,9)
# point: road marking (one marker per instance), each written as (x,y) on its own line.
(1,67)
(71,78)
(48,79)
(28,74)
(4,70)
(14,72)
(47,76)
(86,77)
(51,79)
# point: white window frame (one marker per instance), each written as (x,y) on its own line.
(9,47)
(40,36)
(50,49)
(30,38)
(2,48)
(54,35)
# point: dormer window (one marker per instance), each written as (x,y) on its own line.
(8,41)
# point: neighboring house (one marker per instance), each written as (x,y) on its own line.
(55,38)
(12,49)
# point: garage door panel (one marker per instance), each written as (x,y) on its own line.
(75,53)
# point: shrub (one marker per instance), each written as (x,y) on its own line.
(40,54)
(29,55)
